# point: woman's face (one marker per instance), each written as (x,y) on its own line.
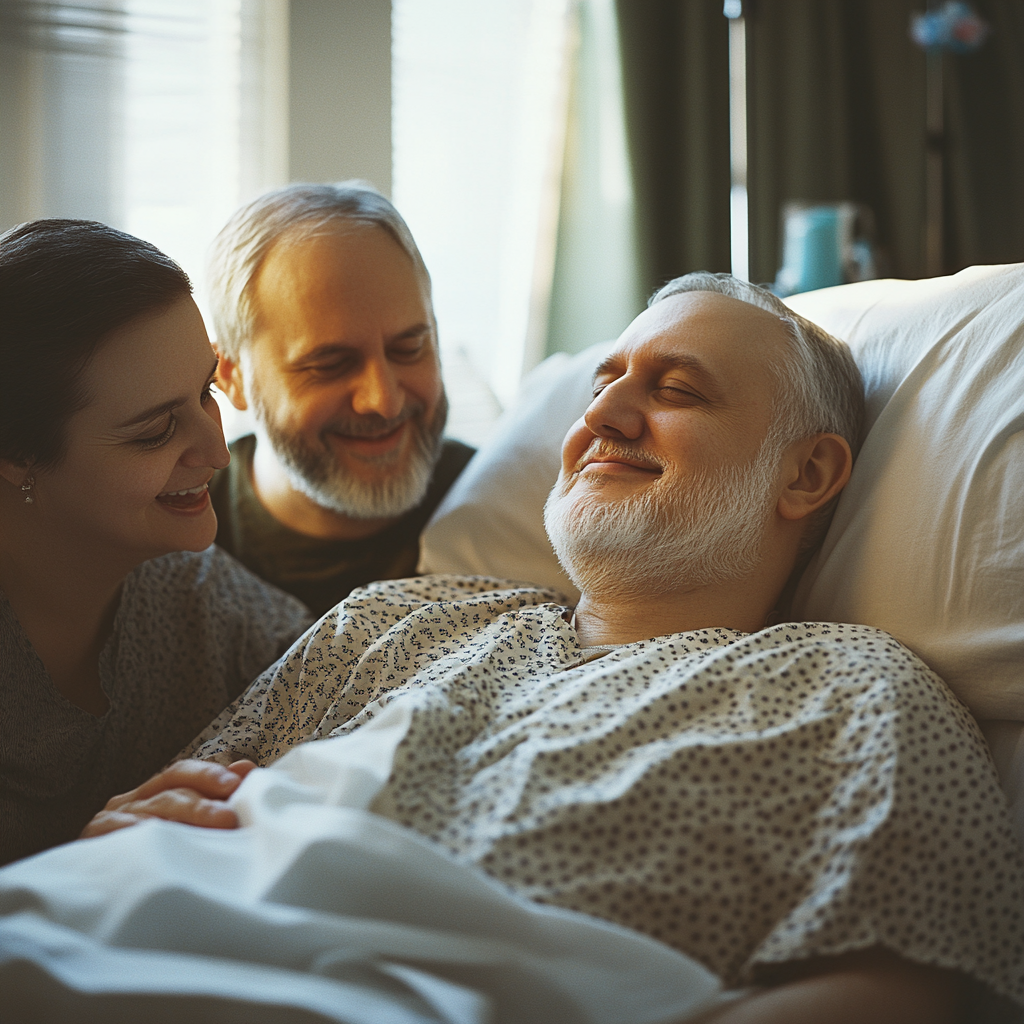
(132,485)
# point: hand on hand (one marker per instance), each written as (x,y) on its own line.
(190,792)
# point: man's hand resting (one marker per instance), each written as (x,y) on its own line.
(190,792)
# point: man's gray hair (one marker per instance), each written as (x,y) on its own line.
(820,387)
(292,213)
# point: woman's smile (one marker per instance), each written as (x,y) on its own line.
(190,501)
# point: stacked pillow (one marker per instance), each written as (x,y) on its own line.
(928,539)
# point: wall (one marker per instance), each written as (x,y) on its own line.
(340,91)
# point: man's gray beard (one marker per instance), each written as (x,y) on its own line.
(316,473)
(705,530)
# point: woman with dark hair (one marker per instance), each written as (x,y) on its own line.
(123,632)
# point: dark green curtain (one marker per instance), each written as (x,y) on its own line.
(675,70)
(985,152)
(836,111)
(836,92)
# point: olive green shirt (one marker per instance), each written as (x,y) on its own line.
(319,572)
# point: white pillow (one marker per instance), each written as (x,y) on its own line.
(928,541)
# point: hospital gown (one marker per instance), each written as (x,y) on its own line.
(749,799)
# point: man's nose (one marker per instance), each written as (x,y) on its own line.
(377,390)
(615,413)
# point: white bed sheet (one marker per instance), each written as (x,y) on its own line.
(316,911)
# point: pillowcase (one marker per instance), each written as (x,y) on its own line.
(928,540)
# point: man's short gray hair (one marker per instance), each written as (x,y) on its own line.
(294,213)
(820,387)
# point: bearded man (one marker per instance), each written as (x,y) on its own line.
(324,327)
(801,807)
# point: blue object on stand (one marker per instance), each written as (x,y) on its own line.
(812,255)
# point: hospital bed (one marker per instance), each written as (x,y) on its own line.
(321,911)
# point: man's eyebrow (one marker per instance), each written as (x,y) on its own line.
(667,360)
(164,407)
(607,365)
(411,332)
(338,348)
(330,348)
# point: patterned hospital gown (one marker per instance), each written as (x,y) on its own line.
(750,799)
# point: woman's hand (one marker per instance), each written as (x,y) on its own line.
(190,792)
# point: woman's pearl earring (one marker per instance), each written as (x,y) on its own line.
(26,488)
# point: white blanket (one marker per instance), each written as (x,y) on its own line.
(317,910)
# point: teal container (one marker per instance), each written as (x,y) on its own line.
(812,252)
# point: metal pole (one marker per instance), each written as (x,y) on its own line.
(739,224)
(934,252)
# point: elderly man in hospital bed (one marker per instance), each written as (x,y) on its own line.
(803,809)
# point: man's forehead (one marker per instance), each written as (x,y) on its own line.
(341,263)
(706,328)
(336,241)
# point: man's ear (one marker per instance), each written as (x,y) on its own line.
(230,381)
(818,468)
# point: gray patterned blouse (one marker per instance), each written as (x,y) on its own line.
(191,631)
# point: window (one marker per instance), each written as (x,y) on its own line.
(156,116)
(479,101)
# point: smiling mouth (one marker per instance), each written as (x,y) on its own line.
(610,459)
(384,435)
(362,445)
(622,465)
(192,499)
(370,427)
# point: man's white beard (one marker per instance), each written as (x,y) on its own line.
(702,530)
(316,473)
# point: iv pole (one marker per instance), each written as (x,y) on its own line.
(935,145)
(953,26)
(739,223)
